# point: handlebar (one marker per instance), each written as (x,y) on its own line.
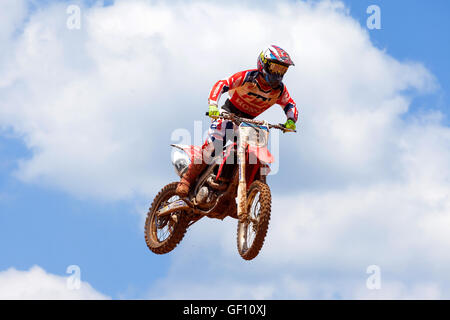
(237,120)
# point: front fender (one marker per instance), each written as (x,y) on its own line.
(261,153)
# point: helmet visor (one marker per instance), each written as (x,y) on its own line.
(278,69)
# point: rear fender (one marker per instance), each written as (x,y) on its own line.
(194,152)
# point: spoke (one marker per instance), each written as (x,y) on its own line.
(164,225)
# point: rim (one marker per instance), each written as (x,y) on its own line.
(250,227)
(162,227)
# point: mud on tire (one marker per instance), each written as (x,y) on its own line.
(153,224)
(262,217)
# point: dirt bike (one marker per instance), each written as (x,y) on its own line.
(238,172)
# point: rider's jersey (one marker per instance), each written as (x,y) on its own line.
(252,97)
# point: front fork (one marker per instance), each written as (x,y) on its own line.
(242,186)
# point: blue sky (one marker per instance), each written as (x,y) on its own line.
(41,224)
(414,30)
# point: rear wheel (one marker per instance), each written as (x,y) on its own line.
(252,232)
(162,234)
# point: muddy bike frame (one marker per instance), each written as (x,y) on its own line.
(250,133)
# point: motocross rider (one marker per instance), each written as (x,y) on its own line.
(251,92)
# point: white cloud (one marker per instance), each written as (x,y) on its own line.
(320,243)
(12,14)
(37,284)
(368,182)
(97,105)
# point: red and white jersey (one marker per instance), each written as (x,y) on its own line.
(250,95)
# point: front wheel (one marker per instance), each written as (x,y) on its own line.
(162,234)
(252,232)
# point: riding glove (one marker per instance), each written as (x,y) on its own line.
(213,111)
(290,124)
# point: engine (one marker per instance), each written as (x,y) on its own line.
(208,193)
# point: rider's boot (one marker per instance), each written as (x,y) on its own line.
(189,177)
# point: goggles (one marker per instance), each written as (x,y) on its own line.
(276,68)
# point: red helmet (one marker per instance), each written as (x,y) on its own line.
(273,63)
